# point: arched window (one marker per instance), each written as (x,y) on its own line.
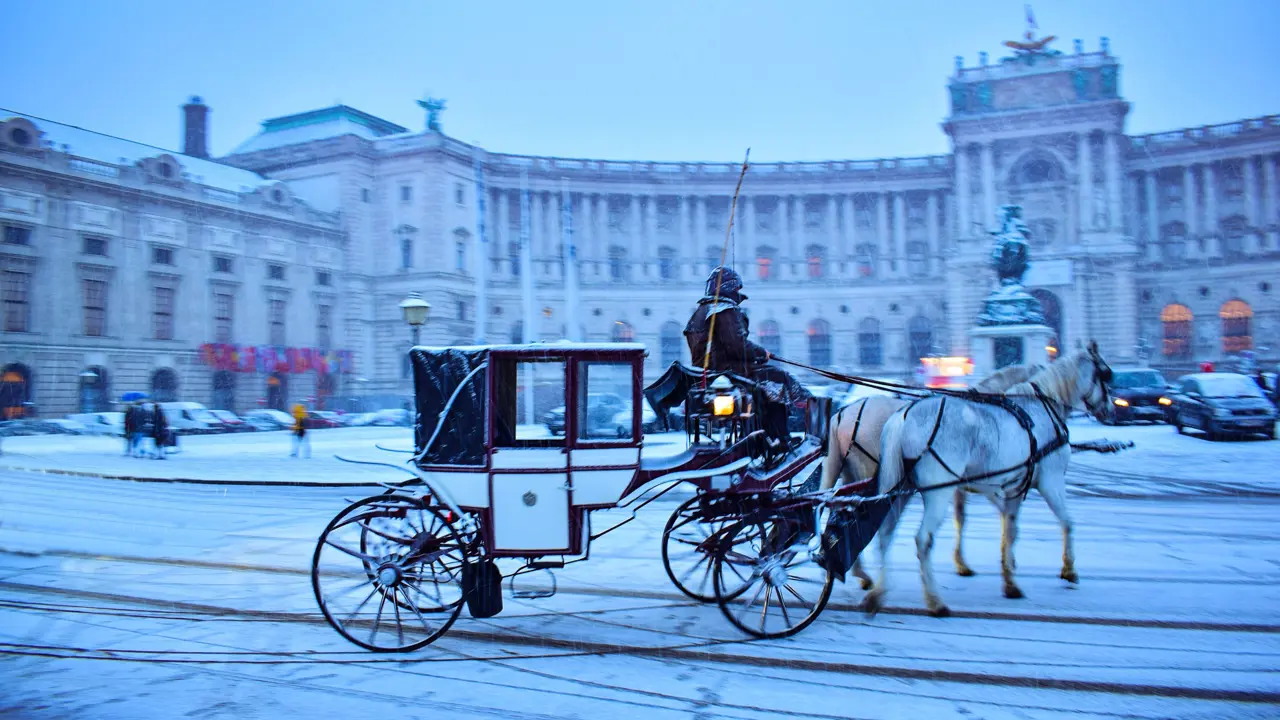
(224,390)
(164,385)
(278,390)
(1176,320)
(918,258)
(1036,170)
(460,255)
(819,343)
(865,255)
(95,386)
(765,258)
(623,332)
(1234,229)
(517,333)
(920,337)
(618,262)
(667,263)
(1173,241)
(870,353)
(1237,319)
(816,261)
(1052,309)
(769,337)
(15,391)
(406,253)
(670,343)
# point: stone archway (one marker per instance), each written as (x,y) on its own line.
(1052,308)
(164,385)
(15,391)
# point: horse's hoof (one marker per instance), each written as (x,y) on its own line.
(866,583)
(1013,592)
(939,610)
(872,603)
(965,571)
(1070,576)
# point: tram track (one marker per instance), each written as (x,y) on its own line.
(701,650)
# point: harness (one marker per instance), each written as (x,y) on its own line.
(1020,485)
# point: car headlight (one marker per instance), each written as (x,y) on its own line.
(1165,401)
(722,405)
(1221,412)
(1121,402)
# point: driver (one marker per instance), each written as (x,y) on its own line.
(732,351)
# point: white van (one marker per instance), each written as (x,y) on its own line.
(190,418)
(101,423)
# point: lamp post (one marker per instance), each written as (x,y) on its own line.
(415,311)
(86,392)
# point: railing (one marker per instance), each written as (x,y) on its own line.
(1208,133)
(226,196)
(930,163)
(1013,66)
(94,167)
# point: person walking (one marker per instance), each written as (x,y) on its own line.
(159,430)
(130,426)
(300,441)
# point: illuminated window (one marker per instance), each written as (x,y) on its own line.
(765,256)
(1176,320)
(623,332)
(1237,317)
(815,260)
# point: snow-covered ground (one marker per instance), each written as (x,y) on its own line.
(144,600)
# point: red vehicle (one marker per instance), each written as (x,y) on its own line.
(319,420)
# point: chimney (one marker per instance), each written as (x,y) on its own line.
(195,130)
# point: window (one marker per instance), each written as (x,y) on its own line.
(460,255)
(1173,241)
(462,309)
(1237,334)
(17,235)
(513,257)
(917,258)
(605,399)
(920,337)
(95,308)
(275,322)
(364,194)
(513,379)
(459,195)
(769,337)
(324,321)
(869,351)
(815,258)
(623,332)
(866,259)
(162,255)
(406,253)
(1176,320)
(223,306)
(95,246)
(275,272)
(406,193)
(713,258)
(164,385)
(618,263)
(517,333)
(670,343)
(667,263)
(17,305)
(162,313)
(20,137)
(221,264)
(819,343)
(323,278)
(764,262)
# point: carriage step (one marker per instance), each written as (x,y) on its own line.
(535,592)
(546,565)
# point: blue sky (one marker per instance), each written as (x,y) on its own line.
(656,80)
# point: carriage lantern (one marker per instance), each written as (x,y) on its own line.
(724,401)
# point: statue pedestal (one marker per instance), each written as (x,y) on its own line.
(999,346)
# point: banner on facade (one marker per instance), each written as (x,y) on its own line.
(270,359)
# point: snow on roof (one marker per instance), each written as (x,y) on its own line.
(554,347)
(318,125)
(118,151)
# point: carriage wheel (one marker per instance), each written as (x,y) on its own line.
(687,554)
(387,573)
(782,589)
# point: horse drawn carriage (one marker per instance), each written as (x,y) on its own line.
(759,537)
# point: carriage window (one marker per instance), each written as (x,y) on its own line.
(605,401)
(529,403)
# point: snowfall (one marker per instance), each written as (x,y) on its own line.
(139,588)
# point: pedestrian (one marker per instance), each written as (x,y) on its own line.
(159,430)
(300,441)
(130,422)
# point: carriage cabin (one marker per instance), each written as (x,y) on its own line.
(474,438)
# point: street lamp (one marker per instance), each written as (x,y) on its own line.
(415,311)
(87,378)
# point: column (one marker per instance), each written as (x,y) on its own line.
(538,237)
(988,184)
(600,229)
(685,255)
(1269,199)
(635,227)
(502,234)
(931,224)
(1190,204)
(833,227)
(1085,170)
(1115,204)
(850,243)
(963,221)
(898,264)
(1212,248)
(793,208)
(700,229)
(1251,211)
(1153,220)
(746,223)
(882,235)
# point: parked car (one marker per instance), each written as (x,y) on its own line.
(100,423)
(602,408)
(649,420)
(321,419)
(232,422)
(68,427)
(1139,394)
(39,426)
(358,419)
(1220,403)
(269,419)
(392,417)
(191,418)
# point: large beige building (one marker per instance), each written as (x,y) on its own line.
(1164,248)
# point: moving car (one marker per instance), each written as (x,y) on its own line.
(232,422)
(100,423)
(1139,394)
(269,419)
(1220,403)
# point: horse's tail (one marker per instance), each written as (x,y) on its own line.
(892,464)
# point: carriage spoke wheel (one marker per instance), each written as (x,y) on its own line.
(688,552)
(387,573)
(781,590)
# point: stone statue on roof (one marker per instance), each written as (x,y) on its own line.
(433,106)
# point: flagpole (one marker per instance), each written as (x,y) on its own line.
(526,287)
(570,252)
(482,249)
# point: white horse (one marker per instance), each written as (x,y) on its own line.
(853,446)
(948,441)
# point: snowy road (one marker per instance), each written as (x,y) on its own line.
(141,600)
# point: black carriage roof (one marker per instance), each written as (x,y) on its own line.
(562,348)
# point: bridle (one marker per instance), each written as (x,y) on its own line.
(1098,385)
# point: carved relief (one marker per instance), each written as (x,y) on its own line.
(94,218)
(154,228)
(1037,91)
(17,204)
